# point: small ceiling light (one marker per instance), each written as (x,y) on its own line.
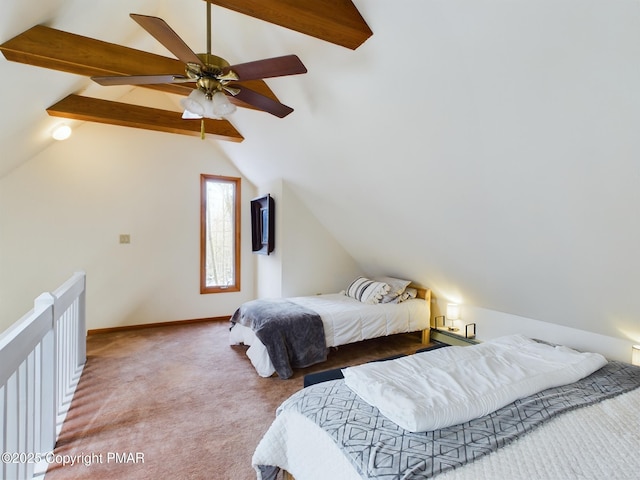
(61,132)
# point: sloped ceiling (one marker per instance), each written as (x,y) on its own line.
(486,149)
(46,47)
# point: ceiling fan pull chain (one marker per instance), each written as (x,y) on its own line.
(202,129)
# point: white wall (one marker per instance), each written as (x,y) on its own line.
(307,259)
(314,261)
(269,267)
(64,210)
(491,324)
(503,168)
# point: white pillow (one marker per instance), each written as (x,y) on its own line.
(397,287)
(366,290)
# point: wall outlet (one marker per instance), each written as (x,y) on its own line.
(125,238)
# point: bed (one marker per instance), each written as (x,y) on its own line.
(586,428)
(283,334)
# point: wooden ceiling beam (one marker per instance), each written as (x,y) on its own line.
(47,47)
(335,21)
(89,109)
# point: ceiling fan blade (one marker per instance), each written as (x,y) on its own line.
(269,67)
(140,79)
(162,32)
(263,103)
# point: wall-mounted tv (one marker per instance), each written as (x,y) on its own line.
(263,225)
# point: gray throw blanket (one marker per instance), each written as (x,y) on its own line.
(292,334)
(378,448)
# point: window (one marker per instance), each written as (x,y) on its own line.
(219,234)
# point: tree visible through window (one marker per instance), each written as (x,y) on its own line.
(219,234)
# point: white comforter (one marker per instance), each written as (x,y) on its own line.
(345,320)
(449,386)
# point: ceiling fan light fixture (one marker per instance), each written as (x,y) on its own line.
(221,106)
(198,105)
(195,103)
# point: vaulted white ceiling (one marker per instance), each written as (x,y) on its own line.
(487,149)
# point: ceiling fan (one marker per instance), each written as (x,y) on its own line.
(214,78)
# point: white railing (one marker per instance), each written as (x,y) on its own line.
(41,360)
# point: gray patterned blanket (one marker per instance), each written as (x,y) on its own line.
(380,449)
(292,334)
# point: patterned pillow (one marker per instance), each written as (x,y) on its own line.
(366,290)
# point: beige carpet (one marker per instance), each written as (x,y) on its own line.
(179,403)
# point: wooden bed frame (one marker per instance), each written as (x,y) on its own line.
(425,293)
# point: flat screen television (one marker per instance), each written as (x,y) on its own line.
(263,225)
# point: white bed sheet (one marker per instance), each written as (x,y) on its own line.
(594,442)
(345,320)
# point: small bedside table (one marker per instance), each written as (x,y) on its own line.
(445,335)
